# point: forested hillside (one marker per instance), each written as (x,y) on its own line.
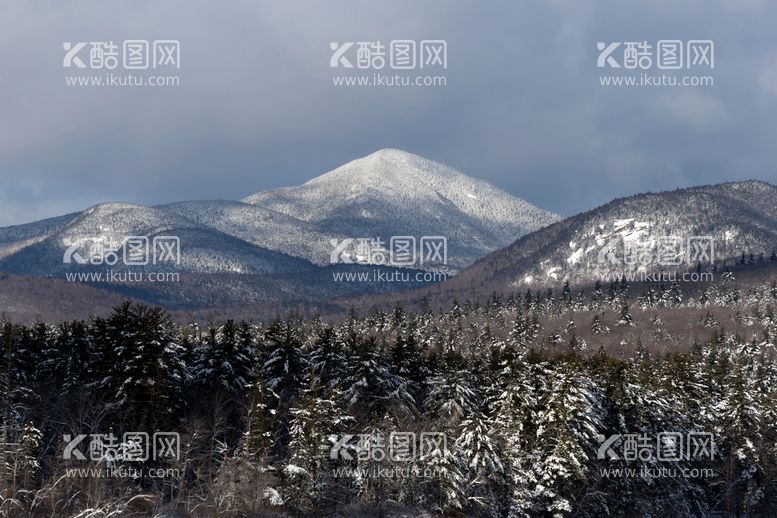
(522,396)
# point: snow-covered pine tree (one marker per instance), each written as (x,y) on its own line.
(741,419)
(596,325)
(224,361)
(625,318)
(317,417)
(285,364)
(568,426)
(30,354)
(148,374)
(452,399)
(30,441)
(407,358)
(69,357)
(675,297)
(371,388)
(483,467)
(513,405)
(327,358)
(258,440)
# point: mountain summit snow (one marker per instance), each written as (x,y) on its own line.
(278,245)
(396,193)
(632,236)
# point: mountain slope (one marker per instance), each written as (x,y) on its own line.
(278,247)
(16,237)
(600,244)
(202,249)
(395,193)
(259,226)
(389,193)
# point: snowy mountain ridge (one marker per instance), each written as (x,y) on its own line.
(207,250)
(387,193)
(396,193)
(260,226)
(651,232)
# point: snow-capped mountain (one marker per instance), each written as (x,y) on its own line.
(396,193)
(287,233)
(260,226)
(667,231)
(203,249)
(17,237)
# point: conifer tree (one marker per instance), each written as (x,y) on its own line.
(568,427)
(148,374)
(317,418)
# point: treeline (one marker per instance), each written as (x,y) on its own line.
(524,390)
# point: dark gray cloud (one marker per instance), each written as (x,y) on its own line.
(256,107)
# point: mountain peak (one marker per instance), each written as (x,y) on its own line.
(734,217)
(748,185)
(388,169)
(390,153)
(392,192)
(110,206)
(401,159)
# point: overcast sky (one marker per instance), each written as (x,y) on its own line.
(257,109)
